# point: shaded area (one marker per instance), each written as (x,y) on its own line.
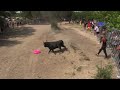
(9,42)
(58,29)
(14,33)
(18,32)
(74,47)
(39,24)
(60,51)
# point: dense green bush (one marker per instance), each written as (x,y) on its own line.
(111,18)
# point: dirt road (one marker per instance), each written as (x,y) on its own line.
(17,60)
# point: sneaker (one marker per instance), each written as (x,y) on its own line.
(97,54)
(106,57)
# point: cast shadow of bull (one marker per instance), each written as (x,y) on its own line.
(59,51)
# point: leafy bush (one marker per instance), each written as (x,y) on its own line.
(104,73)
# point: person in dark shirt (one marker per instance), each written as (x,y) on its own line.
(119,56)
(85,24)
(103,47)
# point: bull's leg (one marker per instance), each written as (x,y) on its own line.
(60,49)
(49,51)
(53,51)
(64,46)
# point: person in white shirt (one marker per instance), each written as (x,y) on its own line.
(97,30)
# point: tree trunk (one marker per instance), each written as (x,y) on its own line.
(54,25)
(69,21)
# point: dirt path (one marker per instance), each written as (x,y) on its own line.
(18,61)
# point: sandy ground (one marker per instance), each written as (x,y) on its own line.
(17,60)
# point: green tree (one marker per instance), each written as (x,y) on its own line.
(53,16)
(111,18)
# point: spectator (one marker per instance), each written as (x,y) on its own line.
(89,25)
(96,30)
(103,47)
(92,25)
(85,23)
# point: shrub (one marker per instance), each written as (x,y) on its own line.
(104,73)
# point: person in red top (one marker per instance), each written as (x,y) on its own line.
(89,25)
(103,47)
(118,48)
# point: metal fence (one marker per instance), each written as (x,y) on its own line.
(113,42)
(113,38)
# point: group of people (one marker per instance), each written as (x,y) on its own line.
(88,24)
(9,23)
(100,33)
(14,23)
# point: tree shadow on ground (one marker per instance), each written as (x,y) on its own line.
(18,32)
(39,23)
(64,28)
(13,33)
(9,42)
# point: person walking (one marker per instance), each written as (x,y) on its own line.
(103,47)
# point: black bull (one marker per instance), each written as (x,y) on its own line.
(54,45)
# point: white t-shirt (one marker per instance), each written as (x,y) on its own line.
(92,23)
(96,29)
